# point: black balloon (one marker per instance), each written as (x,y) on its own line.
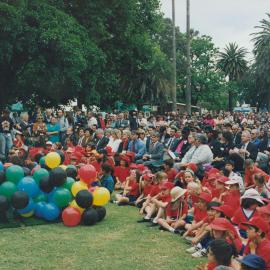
(84,198)
(101,211)
(27,171)
(3,204)
(19,199)
(45,184)
(89,217)
(2,177)
(71,172)
(62,156)
(57,177)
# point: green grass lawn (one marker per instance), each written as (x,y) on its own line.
(118,242)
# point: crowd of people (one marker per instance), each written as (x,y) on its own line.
(204,178)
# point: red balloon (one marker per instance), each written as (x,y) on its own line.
(71,217)
(87,174)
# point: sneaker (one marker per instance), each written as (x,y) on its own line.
(188,239)
(192,250)
(179,231)
(143,220)
(200,253)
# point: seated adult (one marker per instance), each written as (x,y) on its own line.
(155,153)
(136,145)
(101,141)
(246,150)
(202,154)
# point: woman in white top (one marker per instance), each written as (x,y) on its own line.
(115,140)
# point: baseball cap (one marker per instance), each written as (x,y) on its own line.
(252,194)
(220,224)
(259,223)
(222,179)
(227,210)
(253,261)
(167,185)
(205,196)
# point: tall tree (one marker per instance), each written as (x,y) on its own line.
(233,63)
(262,56)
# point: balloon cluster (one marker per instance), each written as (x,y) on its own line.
(50,191)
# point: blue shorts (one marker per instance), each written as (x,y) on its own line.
(132,198)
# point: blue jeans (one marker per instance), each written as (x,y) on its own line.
(5,143)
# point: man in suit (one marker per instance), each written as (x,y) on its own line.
(246,150)
(173,141)
(155,153)
(121,122)
(101,141)
(136,145)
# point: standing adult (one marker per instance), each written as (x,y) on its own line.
(63,124)
(6,126)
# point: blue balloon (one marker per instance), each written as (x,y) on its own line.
(1,166)
(39,209)
(50,212)
(28,185)
(30,207)
(51,194)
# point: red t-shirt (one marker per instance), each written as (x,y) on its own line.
(178,212)
(232,199)
(147,190)
(134,189)
(208,220)
(155,190)
(171,174)
(165,198)
(262,250)
(199,214)
(240,217)
(121,173)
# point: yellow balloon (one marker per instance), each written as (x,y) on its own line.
(75,205)
(52,160)
(64,167)
(78,186)
(101,196)
(30,214)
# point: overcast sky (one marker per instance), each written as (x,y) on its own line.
(224,20)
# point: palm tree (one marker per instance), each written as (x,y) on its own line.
(262,55)
(232,62)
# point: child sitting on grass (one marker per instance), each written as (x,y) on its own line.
(131,190)
(176,210)
(106,179)
(121,172)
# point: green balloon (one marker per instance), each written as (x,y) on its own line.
(62,197)
(42,161)
(68,183)
(40,198)
(39,173)
(14,174)
(7,189)
(72,167)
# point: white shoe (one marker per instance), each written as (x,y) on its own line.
(188,239)
(192,249)
(200,253)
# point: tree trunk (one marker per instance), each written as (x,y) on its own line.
(188,86)
(230,104)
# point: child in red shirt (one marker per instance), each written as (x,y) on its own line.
(200,213)
(121,173)
(147,187)
(169,170)
(159,202)
(131,190)
(176,210)
(249,202)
